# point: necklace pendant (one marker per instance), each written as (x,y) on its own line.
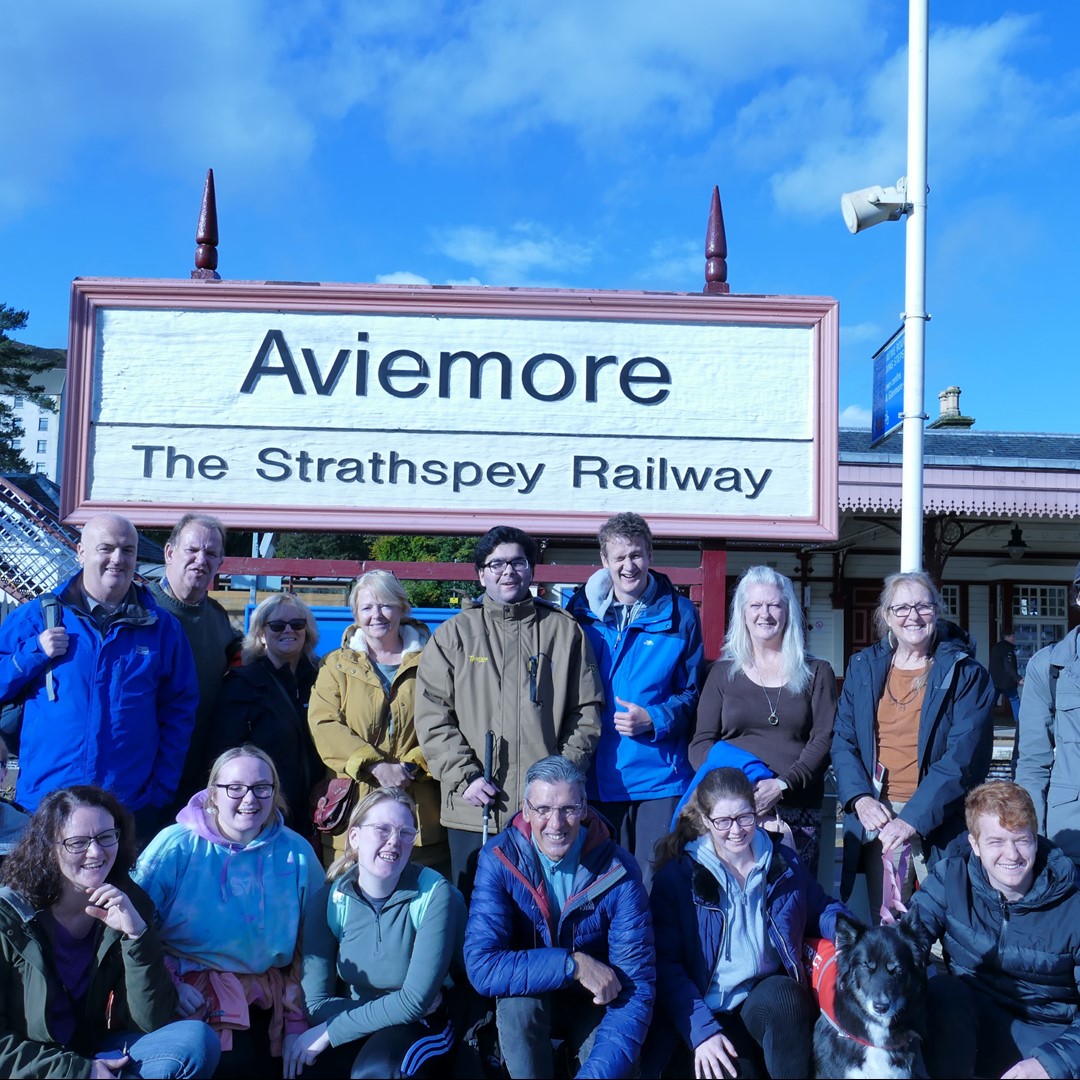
(774,719)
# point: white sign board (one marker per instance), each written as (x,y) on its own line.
(366,407)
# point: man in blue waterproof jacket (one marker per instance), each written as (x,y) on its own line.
(648,645)
(107,684)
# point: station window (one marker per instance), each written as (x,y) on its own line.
(42,446)
(43,423)
(950,599)
(1040,618)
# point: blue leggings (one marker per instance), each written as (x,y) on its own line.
(419,1049)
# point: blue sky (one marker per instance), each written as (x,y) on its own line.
(564,143)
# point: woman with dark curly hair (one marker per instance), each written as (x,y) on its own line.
(83,985)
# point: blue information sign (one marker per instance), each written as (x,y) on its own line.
(888,388)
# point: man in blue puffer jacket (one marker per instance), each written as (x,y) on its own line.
(559,933)
(648,644)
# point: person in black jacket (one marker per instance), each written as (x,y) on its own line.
(1004,672)
(265,702)
(1006,907)
(913,734)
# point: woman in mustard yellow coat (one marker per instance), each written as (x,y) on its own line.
(361,711)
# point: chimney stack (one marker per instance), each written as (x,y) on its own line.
(951,416)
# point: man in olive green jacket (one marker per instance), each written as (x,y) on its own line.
(513,665)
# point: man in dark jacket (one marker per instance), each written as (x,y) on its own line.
(193,554)
(559,933)
(1004,672)
(1006,907)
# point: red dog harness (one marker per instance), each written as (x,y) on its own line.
(819,961)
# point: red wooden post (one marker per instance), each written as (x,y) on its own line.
(206,235)
(714,597)
(716,249)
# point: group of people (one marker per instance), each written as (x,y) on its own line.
(556,809)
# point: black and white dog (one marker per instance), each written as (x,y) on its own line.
(875,1023)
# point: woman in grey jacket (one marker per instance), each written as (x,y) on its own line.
(378,942)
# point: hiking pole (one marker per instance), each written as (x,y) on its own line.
(489,747)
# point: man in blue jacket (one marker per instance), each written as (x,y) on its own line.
(559,933)
(109,691)
(647,640)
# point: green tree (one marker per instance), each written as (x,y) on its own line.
(19,366)
(320,545)
(429,549)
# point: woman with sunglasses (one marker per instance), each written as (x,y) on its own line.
(83,986)
(730,909)
(913,734)
(378,944)
(231,884)
(265,702)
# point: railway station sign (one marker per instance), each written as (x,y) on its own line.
(432,409)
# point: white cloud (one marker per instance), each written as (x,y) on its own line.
(166,86)
(852,334)
(407,277)
(529,254)
(855,416)
(608,67)
(241,86)
(401,277)
(823,135)
(674,264)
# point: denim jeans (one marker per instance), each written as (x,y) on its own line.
(528,1024)
(183,1050)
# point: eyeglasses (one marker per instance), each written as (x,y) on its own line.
(497,566)
(239,791)
(386,832)
(724,824)
(278,625)
(902,611)
(78,844)
(571,812)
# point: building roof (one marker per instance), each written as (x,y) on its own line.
(976,449)
(995,473)
(45,492)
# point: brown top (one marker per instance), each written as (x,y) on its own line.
(898,732)
(796,747)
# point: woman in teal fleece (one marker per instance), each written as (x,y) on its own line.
(378,942)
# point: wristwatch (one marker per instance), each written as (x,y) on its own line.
(571,966)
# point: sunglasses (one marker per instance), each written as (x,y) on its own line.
(278,625)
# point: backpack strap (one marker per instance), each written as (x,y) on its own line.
(1055,674)
(50,605)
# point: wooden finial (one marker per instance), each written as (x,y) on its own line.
(206,235)
(716,249)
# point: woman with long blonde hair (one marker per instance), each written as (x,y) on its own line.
(378,945)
